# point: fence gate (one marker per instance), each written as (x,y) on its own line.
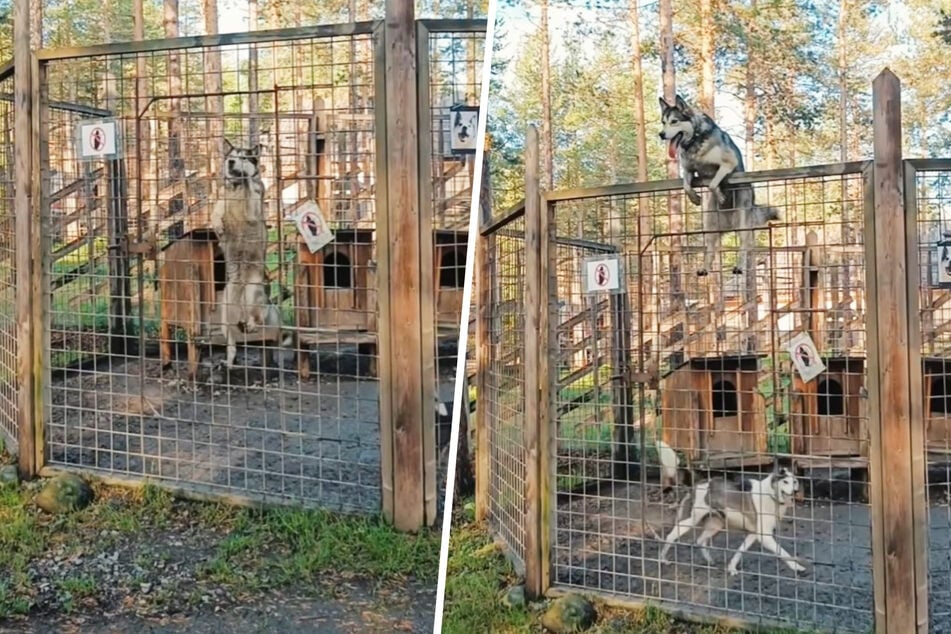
(130,161)
(601,347)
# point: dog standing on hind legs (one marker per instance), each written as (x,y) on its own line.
(755,507)
(703,149)
(238,219)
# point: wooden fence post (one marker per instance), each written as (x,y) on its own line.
(23,198)
(486,392)
(406,391)
(535,409)
(894,376)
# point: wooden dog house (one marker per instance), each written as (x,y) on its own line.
(335,293)
(936,384)
(191,280)
(449,273)
(712,410)
(828,414)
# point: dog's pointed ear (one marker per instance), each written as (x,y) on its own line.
(663,103)
(228,146)
(683,105)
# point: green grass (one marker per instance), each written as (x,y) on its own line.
(246,549)
(478,573)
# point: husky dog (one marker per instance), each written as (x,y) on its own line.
(756,509)
(703,149)
(238,219)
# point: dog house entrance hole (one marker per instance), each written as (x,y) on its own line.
(724,399)
(940,401)
(831,398)
(452,268)
(338,273)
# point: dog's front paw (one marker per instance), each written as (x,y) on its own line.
(720,196)
(693,196)
(732,571)
(796,566)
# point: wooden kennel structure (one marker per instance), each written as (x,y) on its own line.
(712,410)
(449,274)
(191,280)
(936,385)
(828,415)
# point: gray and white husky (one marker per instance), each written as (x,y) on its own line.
(755,507)
(703,149)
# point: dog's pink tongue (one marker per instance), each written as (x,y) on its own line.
(672,150)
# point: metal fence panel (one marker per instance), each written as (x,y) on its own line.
(8,324)
(130,262)
(703,364)
(928,190)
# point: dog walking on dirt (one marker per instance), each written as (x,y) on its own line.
(238,219)
(705,150)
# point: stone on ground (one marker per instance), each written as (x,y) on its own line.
(570,613)
(64,493)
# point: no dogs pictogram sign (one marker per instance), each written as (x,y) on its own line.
(602,274)
(98,138)
(312,226)
(805,356)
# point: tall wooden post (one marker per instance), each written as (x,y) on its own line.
(486,409)
(22,204)
(407,380)
(897,475)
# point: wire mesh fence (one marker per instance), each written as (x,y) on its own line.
(703,365)
(929,189)
(201,329)
(8,324)
(502,395)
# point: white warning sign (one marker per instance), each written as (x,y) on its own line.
(805,356)
(98,138)
(602,274)
(312,226)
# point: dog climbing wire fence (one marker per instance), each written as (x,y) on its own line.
(134,384)
(781,364)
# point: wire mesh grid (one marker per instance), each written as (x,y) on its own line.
(8,324)
(454,78)
(931,192)
(504,380)
(140,278)
(700,368)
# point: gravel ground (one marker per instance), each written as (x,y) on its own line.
(602,544)
(267,434)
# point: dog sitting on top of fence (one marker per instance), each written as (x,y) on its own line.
(704,149)
(238,219)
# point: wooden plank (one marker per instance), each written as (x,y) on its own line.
(427,283)
(894,369)
(534,585)
(547,347)
(486,391)
(41,246)
(404,376)
(24,134)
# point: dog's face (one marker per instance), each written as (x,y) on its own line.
(677,124)
(785,483)
(240,164)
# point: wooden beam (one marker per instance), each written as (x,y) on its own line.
(402,369)
(486,389)
(894,378)
(23,140)
(534,583)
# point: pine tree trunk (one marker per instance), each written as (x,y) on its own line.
(213,85)
(750,101)
(145,167)
(548,146)
(253,109)
(36,25)
(843,85)
(645,268)
(707,32)
(175,162)
(674,202)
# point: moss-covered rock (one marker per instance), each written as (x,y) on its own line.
(570,613)
(64,493)
(9,476)
(514,597)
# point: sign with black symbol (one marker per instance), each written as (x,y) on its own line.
(464,129)
(943,258)
(805,356)
(312,226)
